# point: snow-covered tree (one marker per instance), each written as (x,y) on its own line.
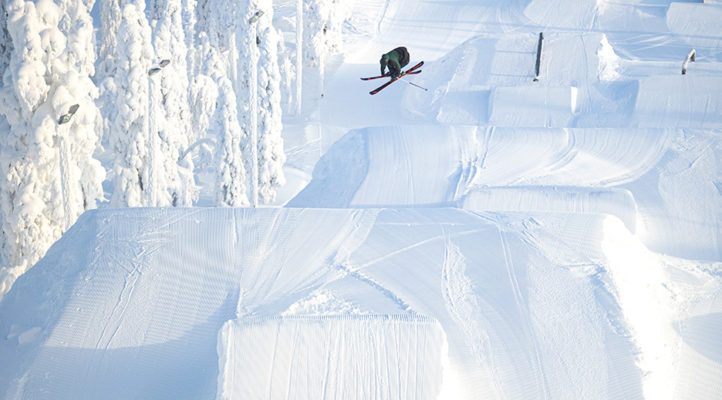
(77,24)
(85,174)
(203,88)
(271,156)
(202,17)
(129,126)
(5,49)
(215,52)
(154,10)
(210,64)
(230,187)
(323,25)
(323,22)
(288,58)
(299,56)
(204,94)
(173,183)
(189,27)
(247,89)
(6,45)
(218,20)
(48,176)
(110,19)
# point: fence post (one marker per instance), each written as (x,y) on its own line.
(690,57)
(538,56)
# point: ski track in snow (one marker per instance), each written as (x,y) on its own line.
(523,309)
(461,303)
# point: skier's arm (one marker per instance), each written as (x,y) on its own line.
(383,65)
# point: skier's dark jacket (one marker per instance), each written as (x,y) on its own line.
(395,60)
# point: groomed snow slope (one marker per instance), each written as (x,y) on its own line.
(549,239)
(133,303)
(611,127)
(129,303)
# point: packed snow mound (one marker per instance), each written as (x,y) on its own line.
(648,178)
(680,200)
(438,164)
(430,165)
(139,314)
(696,102)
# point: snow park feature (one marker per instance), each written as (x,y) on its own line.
(544,222)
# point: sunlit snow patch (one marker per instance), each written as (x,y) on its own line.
(646,303)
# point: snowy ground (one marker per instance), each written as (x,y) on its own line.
(492,237)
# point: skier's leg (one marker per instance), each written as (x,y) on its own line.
(394,70)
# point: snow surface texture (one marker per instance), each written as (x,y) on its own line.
(517,323)
(550,239)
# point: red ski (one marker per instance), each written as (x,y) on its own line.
(404,73)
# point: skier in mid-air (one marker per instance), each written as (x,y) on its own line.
(394,60)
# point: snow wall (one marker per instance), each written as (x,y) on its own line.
(331,357)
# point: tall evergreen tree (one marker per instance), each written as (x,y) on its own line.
(204,91)
(323,23)
(5,50)
(85,174)
(247,89)
(230,183)
(6,45)
(129,126)
(174,182)
(212,61)
(107,62)
(271,156)
(110,19)
(43,184)
(189,32)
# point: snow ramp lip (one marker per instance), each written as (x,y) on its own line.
(263,319)
(555,199)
